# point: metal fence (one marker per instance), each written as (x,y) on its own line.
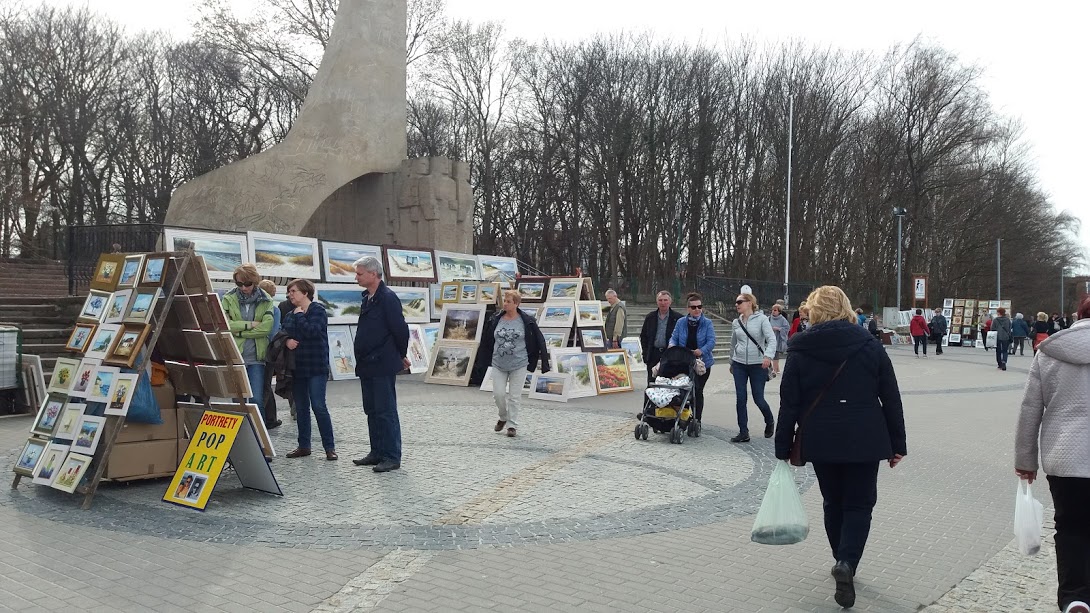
(86,243)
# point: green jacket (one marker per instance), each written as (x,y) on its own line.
(246,330)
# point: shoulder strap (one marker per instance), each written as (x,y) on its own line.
(743,326)
(817,400)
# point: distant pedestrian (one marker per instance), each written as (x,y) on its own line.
(1020,330)
(984,330)
(938,330)
(1056,323)
(658,328)
(801,322)
(1040,329)
(1055,423)
(840,389)
(860,318)
(753,347)
(512,343)
(697,334)
(917,326)
(780,328)
(1002,326)
(616,320)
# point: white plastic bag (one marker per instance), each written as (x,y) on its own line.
(781,519)
(1029,517)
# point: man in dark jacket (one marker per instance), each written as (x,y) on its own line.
(938,330)
(381,348)
(658,326)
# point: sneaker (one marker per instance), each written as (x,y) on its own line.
(770,429)
(1077,606)
(845,587)
(741,438)
(499,425)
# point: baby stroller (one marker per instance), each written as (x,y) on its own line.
(677,416)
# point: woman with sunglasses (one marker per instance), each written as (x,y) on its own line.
(697,334)
(250,318)
(754,347)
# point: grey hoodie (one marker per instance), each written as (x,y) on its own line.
(1002,327)
(1055,416)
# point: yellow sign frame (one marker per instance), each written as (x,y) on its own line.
(204,459)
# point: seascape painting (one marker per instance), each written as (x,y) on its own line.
(342,302)
(414,303)
(338,258)
(498,269)
(457,266)
(408,264)
(222,253)
(276,255)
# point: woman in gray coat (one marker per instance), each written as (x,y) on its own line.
(753,345)
(780,327)
(1055,421)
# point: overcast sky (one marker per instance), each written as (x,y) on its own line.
(1032,54)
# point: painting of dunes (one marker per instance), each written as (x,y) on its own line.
(223,253)
(337,260)
(342,303)
(414,303)
(457,266)
(409,264)
(500,269)
(277,255)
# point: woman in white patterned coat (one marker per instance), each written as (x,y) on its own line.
(1055,421)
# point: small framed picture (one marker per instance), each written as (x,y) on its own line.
(102,384)
(50,463)
(431,334)
(550,386)
(154,270)
(32,453)
(80,337)
(141,306)
(462,322)
(449,292)
(409,264)
(577,363)
(451,362)
(70,416)
(342,357)
(71,472)
(488,292)
(127,346)
(64,372)
(121,395)
(418,350)
(222,253)
(130,271)
(88,433)
(503,270)
(468,295)
(631,345)
(49,415)
(612,372)
(415,303)
(557,314)
(107,271)
(82,380)
(94,307)
(532,289)
(564,288)
(117,306)
(589,313)
(592,339)
(556,337)
(457,266)
(102,340)
(948,303)
(339,257)
(532,311)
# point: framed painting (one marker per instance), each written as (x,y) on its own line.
(958,311)
(489,292)
(94,306)
(565,288)
(415,303)
(436,297)
(116,306)
(948,313)
(959,302)
(559,314)
(556,337)
(102,384)
(279,255)
(49,415)
(457,266)
(342,302)
(468,293)
(532,311)
(631,346)
(462,322)
(451,362)
(418,350)
(102,340)
(970,304)
(576,363)
(130,271)
(64,372)
(121,396)
(141,306)
(129,341)
(948,303)
(84,376)
(50,463)
(589,313)
(107,271)
(342,355)
(70,416)
(409,264)
(80,337)
(222,253)
(550,386)
(71,472)
(532,291)
(449,292)
(611,372)
(592,339)
(337,260)
(499,269)
(955,338)
(154,272)
(32,453)
(956,320)
(431,334)
(88,433)
(966,331)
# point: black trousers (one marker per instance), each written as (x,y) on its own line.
(698,393)
(920,341)
(1018,345)
(269,410)
(938,342)
(850,492)
(1071,497)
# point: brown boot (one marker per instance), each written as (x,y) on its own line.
(299,453)
(499,425)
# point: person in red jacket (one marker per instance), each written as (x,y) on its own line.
(801,322)
(918,328)
(984,330)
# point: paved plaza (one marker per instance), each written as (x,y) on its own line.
(574,514)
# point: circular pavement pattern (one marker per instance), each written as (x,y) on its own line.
(572,474)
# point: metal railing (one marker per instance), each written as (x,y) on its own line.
(86,243)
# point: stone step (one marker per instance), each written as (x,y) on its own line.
(52,335)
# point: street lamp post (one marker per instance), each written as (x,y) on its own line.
(998,268)
(899,213)
(787,230)
(1062,291)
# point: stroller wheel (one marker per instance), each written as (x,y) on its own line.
(639,427)
(690,429)
(676,436)
(643,431)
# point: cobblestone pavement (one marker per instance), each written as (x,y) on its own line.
(573,514)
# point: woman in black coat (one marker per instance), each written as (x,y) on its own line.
(856,423)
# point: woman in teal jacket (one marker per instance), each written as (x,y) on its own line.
(249,317)
(697,334)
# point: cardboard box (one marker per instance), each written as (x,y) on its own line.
(168,430)
(143,458)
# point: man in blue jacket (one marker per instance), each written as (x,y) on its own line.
(381,347)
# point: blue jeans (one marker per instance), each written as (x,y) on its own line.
(1002,348)
(383,426)
(308,392)
(757,375)
(256,374)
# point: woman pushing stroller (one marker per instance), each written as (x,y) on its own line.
(697,334)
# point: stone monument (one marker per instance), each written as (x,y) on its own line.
(341,173)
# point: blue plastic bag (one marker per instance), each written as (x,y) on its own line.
(144,409)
